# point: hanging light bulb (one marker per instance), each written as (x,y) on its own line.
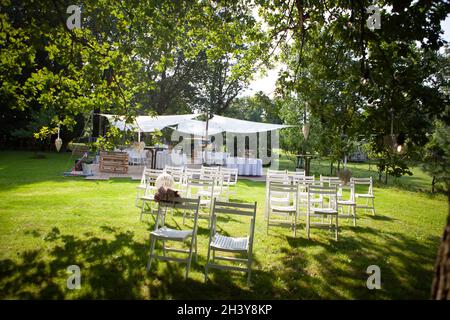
(58,142)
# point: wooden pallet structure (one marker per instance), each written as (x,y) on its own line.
(116,162)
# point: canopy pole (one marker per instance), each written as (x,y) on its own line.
(206,136)
(139,135)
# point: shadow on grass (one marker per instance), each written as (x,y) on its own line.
(114,267)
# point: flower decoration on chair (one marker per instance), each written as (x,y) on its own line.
(163,184)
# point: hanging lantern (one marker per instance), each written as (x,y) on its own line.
(58,142)
(305,130)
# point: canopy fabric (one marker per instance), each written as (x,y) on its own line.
(147,123)
(243,126)
(219,124)
(198,128)
(216,124)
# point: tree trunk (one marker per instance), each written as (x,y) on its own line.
(339,165)
(331,168)
(440,289)
(386,176)
(433,184)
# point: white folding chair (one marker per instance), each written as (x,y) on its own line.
(141,187)
(146,199)
(223,183)
(165,234)
(369,195)
(231,184)
(213,173)
(204,189)
(242,245)
(303,183)
(347,202)
(176,172)
(327,212)
(274,176)
(284,211)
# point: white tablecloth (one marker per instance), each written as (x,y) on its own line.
(165,157)
(246,166)
(136,157)
(215,157)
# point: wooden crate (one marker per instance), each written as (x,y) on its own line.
(116,162)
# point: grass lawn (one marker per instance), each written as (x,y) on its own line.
(48,222)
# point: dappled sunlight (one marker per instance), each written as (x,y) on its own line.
(48,224)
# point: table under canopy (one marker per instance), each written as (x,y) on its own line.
(186,124)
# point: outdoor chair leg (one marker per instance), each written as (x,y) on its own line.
(152,247)
(373,206)
(196,255)
(188,264)
(142,209)
(337,228)
(249,266)
(207,262)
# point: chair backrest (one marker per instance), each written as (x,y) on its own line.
(329,179)
(329,192)
(281,193)
(210,169)
(296,176)
(196,184)
(211,173)
(234,208)
(277,176)
(233,172)
(363,182)
(191,173)
(171,169)
(306,180)
(150,175)
(182,204)
(271,171)
(176,172)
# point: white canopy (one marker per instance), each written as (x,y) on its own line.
(198,128)
(147,123)
(219,124)
(186,124)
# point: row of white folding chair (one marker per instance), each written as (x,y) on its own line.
(355,183)
(312,197)
(242,245)
(285,177)
(225,178)
(348,201)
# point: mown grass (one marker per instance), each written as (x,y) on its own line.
(48,222)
